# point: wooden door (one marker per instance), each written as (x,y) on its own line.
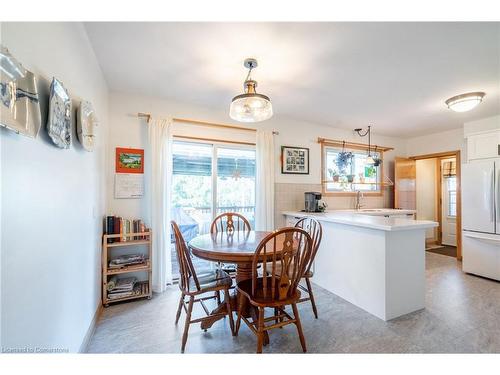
(405,176)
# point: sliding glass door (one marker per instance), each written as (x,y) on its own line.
(236,182)
(209,179)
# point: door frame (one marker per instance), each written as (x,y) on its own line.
(438,156)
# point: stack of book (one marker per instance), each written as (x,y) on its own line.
(122,288)
(119,225)
(127,260)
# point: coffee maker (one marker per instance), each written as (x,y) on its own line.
(312,199)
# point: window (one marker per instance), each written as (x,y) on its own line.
(356,174)
(451,184)
(236,182)
(209,179)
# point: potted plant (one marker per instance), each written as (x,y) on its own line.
(344,159)
(350,178)
(334,175)
(361,177)
(376,160)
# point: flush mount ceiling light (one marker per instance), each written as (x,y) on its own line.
(465,102)
(250,106)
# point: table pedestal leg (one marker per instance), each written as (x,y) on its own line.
(243,272)
(221,308)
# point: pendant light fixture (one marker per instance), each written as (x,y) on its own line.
(250,106)
(370,160)
(465,102)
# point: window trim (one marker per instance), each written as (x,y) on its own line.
(327,193)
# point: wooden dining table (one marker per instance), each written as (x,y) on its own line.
(237,247)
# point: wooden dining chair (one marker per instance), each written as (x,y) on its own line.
(291,249)
(193,285)
(314,229)
(229,222)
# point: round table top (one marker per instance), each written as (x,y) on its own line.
(238,247)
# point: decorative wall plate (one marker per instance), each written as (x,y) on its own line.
(59,121)
(86,123)
(19,101)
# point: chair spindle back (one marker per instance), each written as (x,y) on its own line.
(291,248)
(230,222)
(186,268)
(315,230)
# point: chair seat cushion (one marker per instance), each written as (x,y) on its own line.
(211,280)
(259,298)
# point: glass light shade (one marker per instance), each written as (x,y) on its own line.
(370,160)
(465,102)
(251,108)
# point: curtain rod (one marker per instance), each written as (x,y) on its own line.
(213,140)
(352,144)
(147,116)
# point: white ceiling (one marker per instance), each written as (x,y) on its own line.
(395,76)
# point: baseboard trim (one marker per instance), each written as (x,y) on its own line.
(90,331)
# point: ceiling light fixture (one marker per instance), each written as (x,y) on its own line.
(250,106)
(465,102)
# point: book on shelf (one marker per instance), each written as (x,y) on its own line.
(132,287)
(127,260)
(122,226)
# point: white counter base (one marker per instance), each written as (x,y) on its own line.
(382,272)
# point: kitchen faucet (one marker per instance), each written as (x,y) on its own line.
(359,197)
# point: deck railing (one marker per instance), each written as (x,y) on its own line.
(238,209)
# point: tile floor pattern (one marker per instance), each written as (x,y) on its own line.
(462,315)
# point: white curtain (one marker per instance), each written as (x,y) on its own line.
(264,195)
(160,140)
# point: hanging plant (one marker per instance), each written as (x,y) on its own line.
(344,159)
(377,161)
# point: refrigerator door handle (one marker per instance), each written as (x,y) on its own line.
(492,197)
(497,183)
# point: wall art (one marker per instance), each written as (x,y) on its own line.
(19,100)
(86,123)
(129,160)
(294,160)
(59,119)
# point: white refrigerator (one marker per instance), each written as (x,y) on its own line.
(481,218)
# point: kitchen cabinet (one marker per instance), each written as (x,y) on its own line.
(292,220)
(484,145)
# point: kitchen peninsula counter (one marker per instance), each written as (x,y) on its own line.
(375,259)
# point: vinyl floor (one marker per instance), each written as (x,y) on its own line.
(462,315)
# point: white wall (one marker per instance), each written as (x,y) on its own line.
(52,200)
(426,188)
(126,130)
(450,140)
(483,125)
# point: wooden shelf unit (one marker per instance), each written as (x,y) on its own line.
(146,286)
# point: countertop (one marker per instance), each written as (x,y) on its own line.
(368,219)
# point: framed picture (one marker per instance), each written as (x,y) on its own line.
(294,160)
(129,160)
